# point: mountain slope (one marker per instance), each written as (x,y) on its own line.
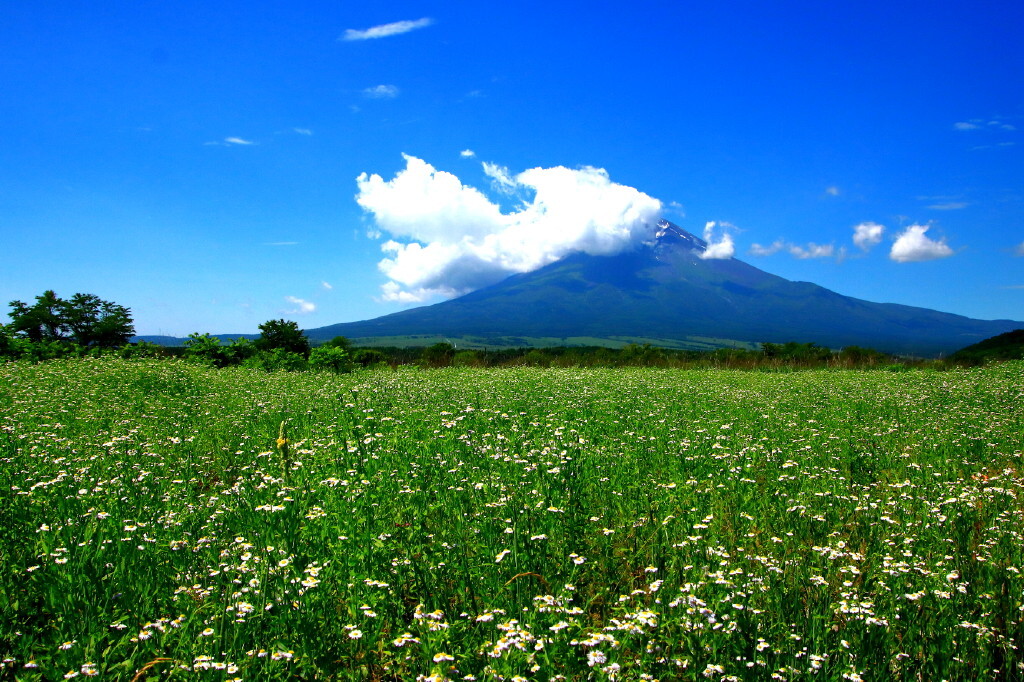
(666,290)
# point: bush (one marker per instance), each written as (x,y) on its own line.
(276,360)
(331,359)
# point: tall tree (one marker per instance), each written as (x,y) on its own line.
(85,318)
(283,334)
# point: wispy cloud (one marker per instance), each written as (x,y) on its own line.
(949,206)
(808,252)
(326,285)
(500,177)
(301,307)
(995,123)
(385,30)
(769,250)
(1019,250)
(230,142)
(467,153)
(813,250)
(720,244)
(302,131)
(867,235)
(381,92)
(832,191)
(913,246)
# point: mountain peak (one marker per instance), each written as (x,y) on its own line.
(671,235)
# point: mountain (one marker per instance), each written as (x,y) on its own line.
(1008,346)
(664,291)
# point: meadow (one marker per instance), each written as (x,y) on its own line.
(161,520)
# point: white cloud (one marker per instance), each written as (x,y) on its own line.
(449,238)
(832,191)
(238,140)
(385,30)
(867,235)
(810,251)
(381,92)
(467,153)
(302,307)
(326,285)
(770,250)
(965,125)
(302,131)
(721,248)
(813,250)
(912,245)
(1019,251)
(949,206)
(502,179)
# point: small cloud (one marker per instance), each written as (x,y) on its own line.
(965,125)
(720,249)
(832,191)
(467,153)
(867,235)
(1019,250)
(813,250)
(302,307)
(770,250)
(676,208)
(302,131)
(381,92)
(502,179)
(385,30)
(808,252)
(1013,286)
(279,243)
(913,246)
(326,285)
(238,141)
(949,206)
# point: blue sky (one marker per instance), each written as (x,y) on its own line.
(200,163)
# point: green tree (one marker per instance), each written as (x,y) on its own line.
(85,319)
(330,358)
(283,334)
(206,349)
(41,321)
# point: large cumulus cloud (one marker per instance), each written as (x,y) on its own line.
(448,238)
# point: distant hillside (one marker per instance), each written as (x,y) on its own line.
(1008,346)
(665,290)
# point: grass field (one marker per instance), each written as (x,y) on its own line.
(521,524)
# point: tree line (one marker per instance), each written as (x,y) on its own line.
(86,325)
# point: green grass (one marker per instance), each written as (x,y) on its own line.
(503,524)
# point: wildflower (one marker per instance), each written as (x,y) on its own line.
(206,633)
(355,634)
(595,657)
(501,555)
(67,645)
(441,657)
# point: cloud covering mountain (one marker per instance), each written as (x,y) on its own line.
(448,238)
